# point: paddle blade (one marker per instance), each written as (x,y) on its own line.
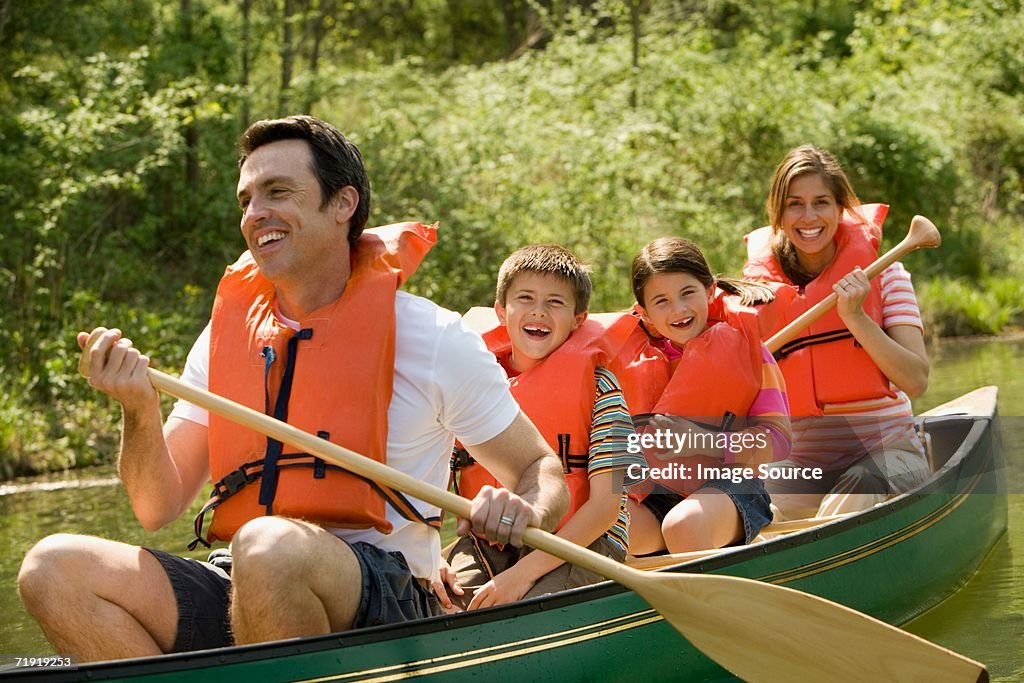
(767,633)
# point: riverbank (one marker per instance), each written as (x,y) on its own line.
(959,308)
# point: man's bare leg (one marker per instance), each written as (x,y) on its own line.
(98,599)
(290,579)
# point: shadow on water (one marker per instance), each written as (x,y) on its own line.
(984,620)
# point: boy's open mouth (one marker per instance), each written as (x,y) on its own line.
(536,332)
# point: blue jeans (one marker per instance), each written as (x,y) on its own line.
(748,495)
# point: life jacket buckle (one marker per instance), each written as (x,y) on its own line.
(234,481)
(461,458)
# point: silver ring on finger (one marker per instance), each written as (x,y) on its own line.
(505,519)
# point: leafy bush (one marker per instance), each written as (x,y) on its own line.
(961,307)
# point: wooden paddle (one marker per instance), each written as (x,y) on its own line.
(922,235)
(756,630)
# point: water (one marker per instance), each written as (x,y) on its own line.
(984,620)
(87,502)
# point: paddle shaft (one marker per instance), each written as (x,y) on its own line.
(922,234)
(378,472)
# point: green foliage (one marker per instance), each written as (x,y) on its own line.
(508,122)
(78,425)
(962,307)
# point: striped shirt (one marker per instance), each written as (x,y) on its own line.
(853,429)
(610,431)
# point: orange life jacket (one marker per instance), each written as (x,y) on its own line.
(324,379)
(826,365)
(641,368)
(557,395)
(714,382)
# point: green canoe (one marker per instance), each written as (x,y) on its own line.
(893,562)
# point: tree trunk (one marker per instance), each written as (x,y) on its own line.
(634,15)
(5,16)
(319,30)
(537,32)
(190,133)
(287,59)
(511,13)
(246,57)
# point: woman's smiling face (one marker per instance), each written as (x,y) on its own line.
(810,218)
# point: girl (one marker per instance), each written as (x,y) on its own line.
(720,405)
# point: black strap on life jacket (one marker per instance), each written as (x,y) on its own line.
(460,458)
(570,462)
(268,487)
(813,340)
(250,472)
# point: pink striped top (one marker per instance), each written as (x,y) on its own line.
(851,430)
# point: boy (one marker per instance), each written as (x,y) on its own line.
(554,357)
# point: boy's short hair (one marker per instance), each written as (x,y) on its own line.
(546,259)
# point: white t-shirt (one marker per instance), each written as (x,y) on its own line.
(446,385)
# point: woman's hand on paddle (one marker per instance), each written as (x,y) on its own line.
(115,367)
(499,515)
(447,581)
(508,586)
(852,290)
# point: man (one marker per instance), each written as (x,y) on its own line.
(313,282)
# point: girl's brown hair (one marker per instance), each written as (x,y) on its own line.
(680,255)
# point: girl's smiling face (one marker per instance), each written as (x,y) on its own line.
(676,305)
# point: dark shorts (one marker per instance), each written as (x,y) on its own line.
(390,594)
(749,496)
(201,591)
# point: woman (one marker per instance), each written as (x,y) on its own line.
(850,375)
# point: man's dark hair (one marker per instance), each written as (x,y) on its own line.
(336,161)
